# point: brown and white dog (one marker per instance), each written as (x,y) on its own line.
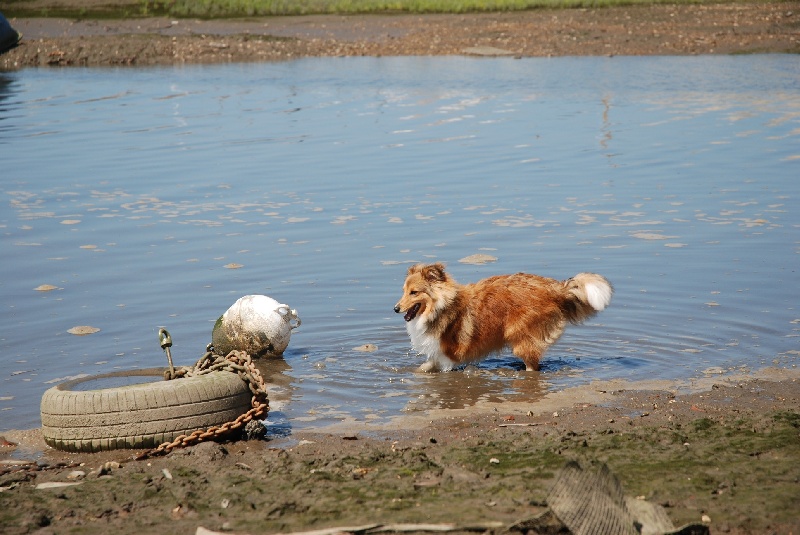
(454,324)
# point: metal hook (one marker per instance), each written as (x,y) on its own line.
(166,342)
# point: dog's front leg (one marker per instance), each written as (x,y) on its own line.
(429,366)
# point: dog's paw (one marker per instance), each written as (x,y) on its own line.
(429,366)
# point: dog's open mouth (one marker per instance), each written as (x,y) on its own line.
(412,312)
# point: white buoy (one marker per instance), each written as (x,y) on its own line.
(257,324)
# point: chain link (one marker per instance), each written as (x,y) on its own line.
(238,362)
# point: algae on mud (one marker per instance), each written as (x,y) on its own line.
(728,454)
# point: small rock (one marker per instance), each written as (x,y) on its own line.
(487,51)
(108,467)
(57,484)
(179,511)
(15,462)
(254,430)
(83,330)
(76,474)
(478,259)
(46,288)
(208,451)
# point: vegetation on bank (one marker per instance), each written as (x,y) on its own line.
(253,8)
(228,8)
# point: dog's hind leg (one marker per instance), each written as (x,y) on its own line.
(530,355)
(531,347)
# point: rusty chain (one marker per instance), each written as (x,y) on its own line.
(238,362)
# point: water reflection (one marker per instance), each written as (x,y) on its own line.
(473,385)
(7,91)
(280,390)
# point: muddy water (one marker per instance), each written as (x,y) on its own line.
(148,198)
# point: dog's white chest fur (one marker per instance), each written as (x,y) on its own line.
(428,345)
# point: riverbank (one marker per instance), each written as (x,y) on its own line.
(659,29)
(725,454)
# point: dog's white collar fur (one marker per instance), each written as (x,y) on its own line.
(427,344)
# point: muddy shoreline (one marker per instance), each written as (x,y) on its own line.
(724,454)
(728,28)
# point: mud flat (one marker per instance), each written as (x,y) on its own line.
(723,450)
(727,28)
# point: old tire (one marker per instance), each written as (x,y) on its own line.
(76,417)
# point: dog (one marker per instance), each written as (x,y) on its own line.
(454,324)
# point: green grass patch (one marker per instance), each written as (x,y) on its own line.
(249,8)
(790,417)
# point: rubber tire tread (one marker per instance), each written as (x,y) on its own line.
(142,415)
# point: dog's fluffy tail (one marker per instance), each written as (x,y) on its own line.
(589,293)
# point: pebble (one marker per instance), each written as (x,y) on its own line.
(487,51)
(478,259)
(14,462)
(82,330)
(57,484)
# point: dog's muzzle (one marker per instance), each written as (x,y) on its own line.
(411,313)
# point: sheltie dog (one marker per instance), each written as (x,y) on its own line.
(454,324)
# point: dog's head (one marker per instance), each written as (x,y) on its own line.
(422,290)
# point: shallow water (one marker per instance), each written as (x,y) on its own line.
(156,197)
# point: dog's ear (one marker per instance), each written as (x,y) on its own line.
(434,272)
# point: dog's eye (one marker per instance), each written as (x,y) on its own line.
(413,292)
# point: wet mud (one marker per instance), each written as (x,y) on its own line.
(726,456)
